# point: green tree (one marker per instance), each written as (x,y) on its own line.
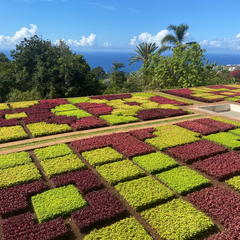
(178,37)
(143,51)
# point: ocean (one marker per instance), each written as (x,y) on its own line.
(105,59)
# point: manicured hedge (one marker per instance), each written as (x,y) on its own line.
(155,162)
(221,166)
(177,220)
(103,208)
(112,97)
(183,180)
(52,151)
(63,108)
(114,119)
(57,202)
(42,129)
(77,113)
(101,156)
(124,112)
(32,110)
(120,171)
(18,175)
(23,226)
(198,127)
(144,192)
(143,134)
(100,110)
(150,114)
(14,159)
(86,105)
(133,103)
(171,136)
(88,123)
(234,182)
(98,101)
(164,100)
(128,228)
(14,200)
(61,119)
(68,163)
(84,180)
(196,151)
(78,100)
(132,147)
(23,104)
(8,134)
(220,203)
(3,106)
(16,115)
(7,123)
(225,120)
(226,139)
(54,101)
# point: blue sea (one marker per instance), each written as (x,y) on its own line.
(105,59)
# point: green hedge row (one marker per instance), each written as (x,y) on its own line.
(120,171)
(57,202)
(52,152)
(16,115)
(128,228)
(235,123)
(178,220)
(77,113)
(68,163)
(63,108)
(114,119)
(171,135)
(226,139)
(42,128)
(23,104)
(12,133)
(183,180)
(144,192)
(14,159)
(18,175)
(155,162)
(101,156)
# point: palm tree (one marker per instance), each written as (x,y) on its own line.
(179,31)
(143,50)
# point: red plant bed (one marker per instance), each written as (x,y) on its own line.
(45,105)
(32,119)
(86,105)
(163,100)
(222,166)
(174,112)
(32,110)
(217,124)
(9,122)
(219,203)
(113,97)
(150,114)
(100,110)
(196,151)
(62,119)
(84,180)
(198,127)
(3,112)
(142,134)
(14,200)
(22,227)
(133,103)
(56,101)
(132,147)
(103,208)
(222,86)
(88,123)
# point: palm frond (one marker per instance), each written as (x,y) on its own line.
(169,38)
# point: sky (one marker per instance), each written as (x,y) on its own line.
(120,25)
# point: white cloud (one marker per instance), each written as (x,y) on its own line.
(18,36)
(149,38)
(84,42)
(231,43)
(107,44)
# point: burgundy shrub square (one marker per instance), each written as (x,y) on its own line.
(222,86)
(103,207)
(174,112)
(220,125)
(9,122)
(142,134)
(132,147)
(32,119)
(97,111)
(32,110)
(222,166)
(88,123)
(45,105)
(84,180)
(87,105)
(133,103)
(61,119)
(219,203)
(150,114)
(3,112)
(113,97)
(196,151)
(163,100)
(198,127)
(22,227)
(56,101)
(14,200)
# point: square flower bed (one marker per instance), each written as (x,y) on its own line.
(3,106)
(196,151)
(78,100)
(220,166)
(178,220)
(225,120)
(8,134)
(16,115)
(102,156)
(234,182)
(23,104)
(183,180)
(88,123)
(10,122)
(114,120)
(120,171)
(57,202)
(155,162)
(144,192)
(142,134)
(61,119)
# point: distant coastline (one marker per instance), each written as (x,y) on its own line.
(105,59)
